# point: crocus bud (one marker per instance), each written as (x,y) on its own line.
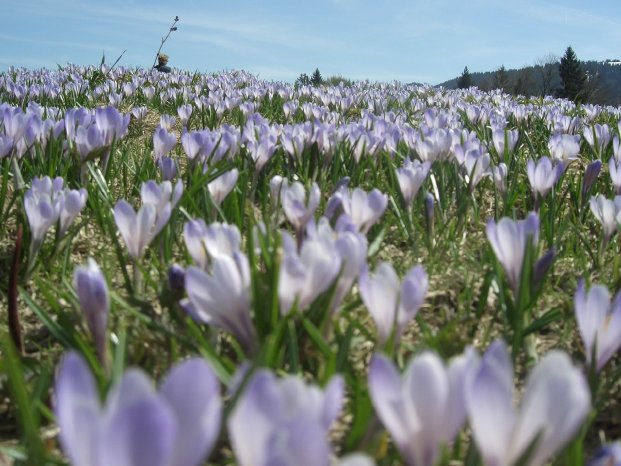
(176,278)
(590,175)
(429,213)
(90,285)
(607,455)
(543,265)
(168,167)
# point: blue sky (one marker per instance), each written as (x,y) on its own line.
(382,40)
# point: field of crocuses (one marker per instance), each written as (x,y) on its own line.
(214,269)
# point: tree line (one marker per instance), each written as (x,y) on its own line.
(582,82)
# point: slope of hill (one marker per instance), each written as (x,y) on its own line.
(604,81)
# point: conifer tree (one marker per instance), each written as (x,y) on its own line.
(465,80)
(501,79)
(573,78)
(316,79)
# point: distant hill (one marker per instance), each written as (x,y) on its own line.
(604,81)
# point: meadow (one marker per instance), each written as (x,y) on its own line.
(215,269)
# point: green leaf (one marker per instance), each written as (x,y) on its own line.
(27,417)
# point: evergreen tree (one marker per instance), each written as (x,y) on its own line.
(316,79)
(465,80)
(573,78)
(501,79)
(303,80)
(524,84)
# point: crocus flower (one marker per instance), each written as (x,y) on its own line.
(614,167)
(167,167)
(220,187)
(297,209)
(502,135)
(542,175)
(163,197)
(590,176)
(364,209)
(305,275)
(284,421)
(564,148)
(222,298)
(184,112)
(137,229)
(607,455)
(607,212)
(167,122)
(163,142)
(555,403)
(425,407)
(410,177)
(599,322)
(112,124)
(509,240)
(138,425)
(261,150)
(88,140)
(598,136)
(276,184)
(213,240)
(6,145)
(71,203)
(392,305)
(90,285)
(500,176)
(42,208)
(476,167)
(192,143)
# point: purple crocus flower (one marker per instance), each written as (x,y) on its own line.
(411,177)
(607,212)
(305,275)
(614,168)
(499,174)
(220,187)
(88,140)
(164,198)
(598,136)
(90,285)
(168,168)
(167,122)
(502,135)
(184,112)
(163,142)
(425,407)
(112,124)
(364,209)
(6,145)
(590,176)
(509,240)
(555,403)
(214,240)
(138,425)
(284,421)
(222,298)
(564,148)
(599,322)
(71,203)
(392,305)
(42,206)
(297,209)
(261,150)
(543,175)
(136,228)
(192,143)
(607,455)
